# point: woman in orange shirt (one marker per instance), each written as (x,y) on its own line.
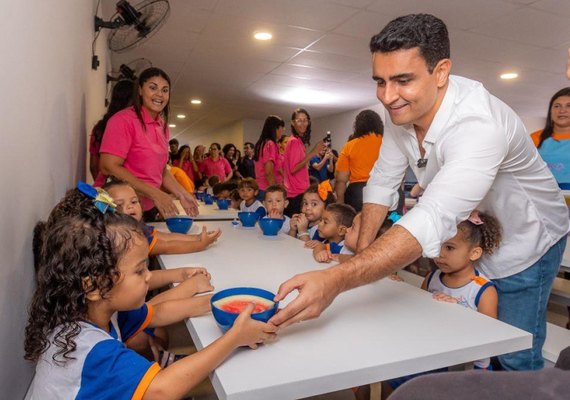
(357,158)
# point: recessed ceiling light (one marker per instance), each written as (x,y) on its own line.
(509,75)
(181,116)
(196,101)
(262,35)
(172,125)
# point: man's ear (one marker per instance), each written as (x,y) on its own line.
(90,293)
(286,202)
(476,253)
(442,71)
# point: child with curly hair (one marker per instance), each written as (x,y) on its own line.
(457,280)
(90,298)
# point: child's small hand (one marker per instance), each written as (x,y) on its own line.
(395,277)
(311,244)
(207,238)
(249,332)
(439,296)
(202,283)
(303,223)
(189,272)
(294,224)
(274,213)
(323,256)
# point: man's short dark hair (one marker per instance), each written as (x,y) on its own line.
(173,141)
(424,31)
(249,144)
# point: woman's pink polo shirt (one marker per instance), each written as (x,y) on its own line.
(295,183)
(270,152)
(145,151)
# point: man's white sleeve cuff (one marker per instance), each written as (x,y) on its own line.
(428,232)
(380,195)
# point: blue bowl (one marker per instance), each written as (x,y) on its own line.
(200,196)
(223,204)
(208,199)
(225,319)
(271,226)
(248,218)
(179,224)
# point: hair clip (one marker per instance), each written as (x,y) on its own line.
(101,198)
(323,189)
(475,218)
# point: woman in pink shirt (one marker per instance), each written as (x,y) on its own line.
(216,164)
(185,161)
(295,160)
(268,165)
(135,148)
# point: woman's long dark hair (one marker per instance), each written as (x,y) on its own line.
(307,137)
(121,97)
(366,122)
(548,127)
(78,252)
(268,133)
(137,101)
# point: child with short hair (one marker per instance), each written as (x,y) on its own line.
(305,225)
(275,202)
(127,202)
(223,190)
(248,189)
(457,280)
(90,299)
(235,199)
(210,182)
(337,218)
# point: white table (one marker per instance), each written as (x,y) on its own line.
(377,332)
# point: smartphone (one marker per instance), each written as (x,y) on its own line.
(328,140)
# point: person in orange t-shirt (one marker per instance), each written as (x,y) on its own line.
(357,158)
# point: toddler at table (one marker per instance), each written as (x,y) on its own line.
(127,201)
(235,199)
(305,225)
(223,190)
(275,202)
(457,280)
(191,281)
(337,218)
(248,189)
(90,298)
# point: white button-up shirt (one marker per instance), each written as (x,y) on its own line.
(479,157)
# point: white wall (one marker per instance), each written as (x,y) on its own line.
(231,133)
(46,83)
(340,125)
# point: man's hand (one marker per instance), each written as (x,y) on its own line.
(317,290)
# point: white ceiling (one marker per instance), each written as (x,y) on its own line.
(207,48)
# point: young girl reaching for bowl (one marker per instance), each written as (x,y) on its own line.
(90,299)
(457,280)
(127,201)
(305,225)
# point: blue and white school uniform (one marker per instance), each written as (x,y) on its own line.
(314,233)
(337,248)
(467,295)
(102,366)
(252,208)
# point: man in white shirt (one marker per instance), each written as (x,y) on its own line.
(468,150)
